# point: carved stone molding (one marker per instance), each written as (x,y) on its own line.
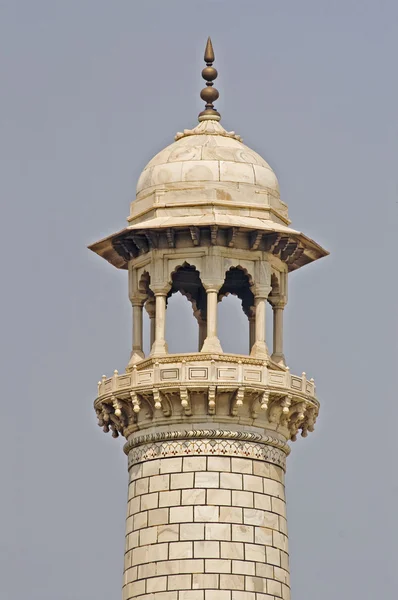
(205,356)
(208,128)
(208,434)
(181,389)
(207,447)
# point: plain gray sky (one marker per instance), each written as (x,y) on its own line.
(91,90)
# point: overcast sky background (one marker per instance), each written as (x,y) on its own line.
(91,90)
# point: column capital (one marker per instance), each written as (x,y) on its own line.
(262,279)
(262,292)
(150,307)
(212,285)
(160,289)
(137,300)
(213,272)
(277,301)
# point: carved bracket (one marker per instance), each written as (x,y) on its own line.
(185,401)
(233,388)
(211,400)
(237,401)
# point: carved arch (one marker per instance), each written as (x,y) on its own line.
(185,278)
(238,282)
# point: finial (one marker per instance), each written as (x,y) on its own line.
(209,52)
(209,94)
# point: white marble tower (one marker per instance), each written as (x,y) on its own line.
(207,433)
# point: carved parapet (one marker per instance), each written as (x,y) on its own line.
(204,388)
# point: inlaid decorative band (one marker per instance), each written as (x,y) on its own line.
(206,447)
(210,434)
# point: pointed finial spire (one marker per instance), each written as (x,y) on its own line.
(209,94)
(209,52)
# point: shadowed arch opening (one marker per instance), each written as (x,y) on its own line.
(236,310)
(186,302)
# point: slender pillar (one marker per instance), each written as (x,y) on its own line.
(152,329)
(277,353)
(137,328)
(159,346)
(212,343)
(151,310)
(259,348)
(137,353)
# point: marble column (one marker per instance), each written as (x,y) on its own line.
(277,351)
(150,307)
(159,346)
(212,343)
(259,348)
(137,353)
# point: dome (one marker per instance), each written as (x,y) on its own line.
(208,188)
(208,170)
(208,173)
(206,155)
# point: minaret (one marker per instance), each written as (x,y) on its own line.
(207,433)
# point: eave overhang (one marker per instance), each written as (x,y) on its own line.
(293,247)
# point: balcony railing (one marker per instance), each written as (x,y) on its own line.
(196,371)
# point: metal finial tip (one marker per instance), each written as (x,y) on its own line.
(209,52)
(209,94)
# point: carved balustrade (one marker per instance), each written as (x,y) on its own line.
(198,387)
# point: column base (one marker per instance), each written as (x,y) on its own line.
(211,344)
(259,350)
(159,348)
(279,359)
(136,357)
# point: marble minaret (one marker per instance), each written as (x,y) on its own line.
(207,433)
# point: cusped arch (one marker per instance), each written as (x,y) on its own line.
(238,282)
(185,278)
(175,265)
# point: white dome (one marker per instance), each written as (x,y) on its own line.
(206,182)
(207,153)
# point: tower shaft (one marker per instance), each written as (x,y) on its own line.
(206,519)
(206,445)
